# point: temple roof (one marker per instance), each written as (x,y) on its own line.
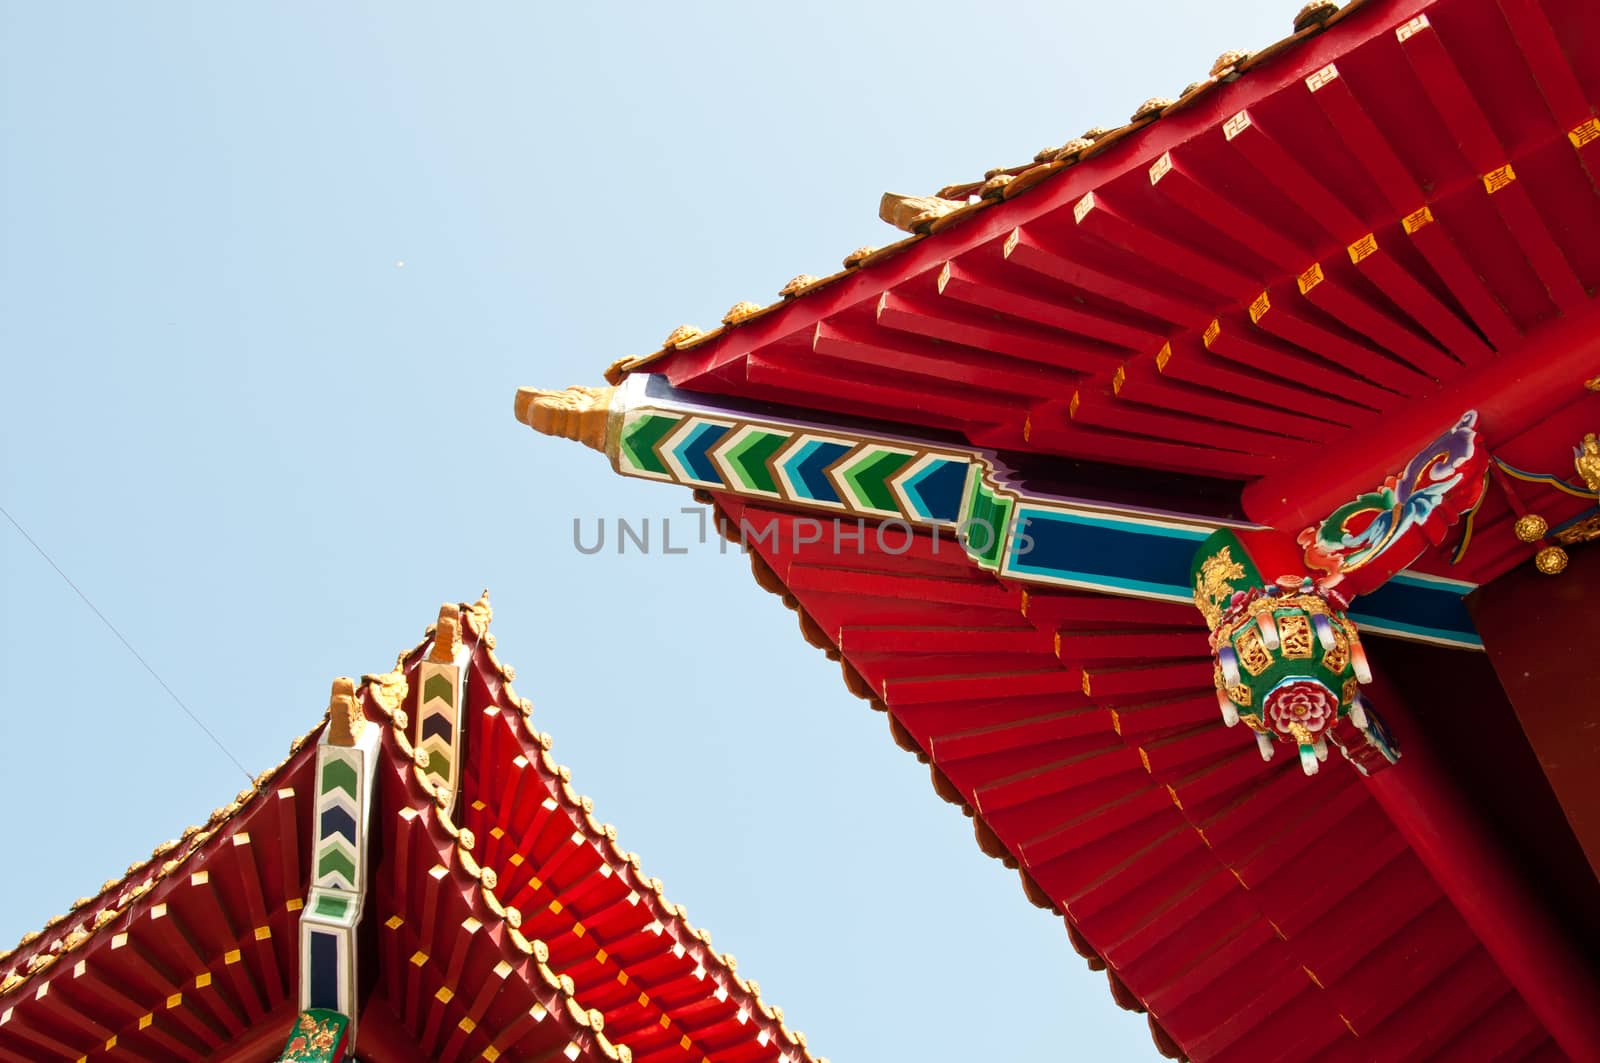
(957,203)
(1358,233)
(515,925)
(1254,299)
(1251,911)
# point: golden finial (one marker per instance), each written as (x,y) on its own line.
(345,721)
(479,614)
(446,635)
(578,413)
(1531,527)
(1552,560)
(1586,459)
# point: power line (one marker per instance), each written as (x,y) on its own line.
(123,639)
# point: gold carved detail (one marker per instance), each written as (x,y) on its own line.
(1417,219)
(578,413)
(1530,527)
(345,722)
(1238,693)
(1213,584)
(1347,695)
(1581,532)
(1584,132)
(1552,560)
(1310,278)
(1334,660)
(1588,461)
(1295,633)
(1253,652)
(388,690)
(446,635)
(1498,178)
(1325,76)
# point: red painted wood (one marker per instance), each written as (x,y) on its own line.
(1556,985)
(1510,395)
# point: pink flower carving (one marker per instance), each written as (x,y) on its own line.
(1301,703)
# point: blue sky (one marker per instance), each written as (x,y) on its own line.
(229,414)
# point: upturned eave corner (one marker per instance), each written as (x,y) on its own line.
(580,413)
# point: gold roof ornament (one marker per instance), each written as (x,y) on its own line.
(1317,11)
(1586,459)
(741,311)
(914,214)
(345,721)
(446,635)
(1227,61)
(578,413)
(800,283)
(683,334)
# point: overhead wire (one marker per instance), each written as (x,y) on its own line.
(193,716)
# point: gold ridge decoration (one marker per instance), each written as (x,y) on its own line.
(741,311)
(479,614)
(388,690)
(345,721)
(681,336)
(913,214)
(797,285)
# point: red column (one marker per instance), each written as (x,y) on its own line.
(1418,796)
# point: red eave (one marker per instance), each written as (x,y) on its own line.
(631,953)
(1255,913)
(1243,296)
(188,956)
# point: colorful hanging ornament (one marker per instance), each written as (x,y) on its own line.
(1288,659)
(1289,663)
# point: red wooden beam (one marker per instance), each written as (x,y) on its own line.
(1483,884)
(1510,393)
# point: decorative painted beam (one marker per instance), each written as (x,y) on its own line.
(347,758)
(650,430)
(439,699)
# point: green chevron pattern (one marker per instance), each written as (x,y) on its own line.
(640,438)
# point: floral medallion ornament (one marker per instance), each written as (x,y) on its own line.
(318,1036)
(1300,707)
